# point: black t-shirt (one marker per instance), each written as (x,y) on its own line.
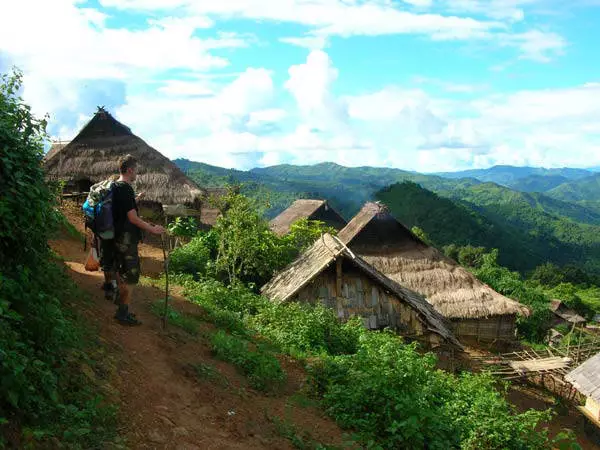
(123,202)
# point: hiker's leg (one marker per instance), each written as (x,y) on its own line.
(107,260)
(128,276)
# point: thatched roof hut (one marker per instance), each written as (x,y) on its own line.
(330,273)
(586,379)
(393,249)
(93,154)
(565,315)
(307,209)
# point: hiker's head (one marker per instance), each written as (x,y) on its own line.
(127,167)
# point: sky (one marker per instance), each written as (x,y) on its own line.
(426,85)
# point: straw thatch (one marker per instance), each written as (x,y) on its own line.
(586,378)
(565,313)
(325,251)
(307,209)
(93,156)
(393,249)
(54,149)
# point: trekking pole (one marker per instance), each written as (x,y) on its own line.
(166,264)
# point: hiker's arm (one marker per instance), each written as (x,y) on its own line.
(138,222)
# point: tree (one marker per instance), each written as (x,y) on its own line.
(247,250)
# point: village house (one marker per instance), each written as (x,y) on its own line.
(563,315)
(93,155)
(307,209)
(477,313)
(330,274)
(586,379)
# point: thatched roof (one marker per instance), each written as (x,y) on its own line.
(93,155)
(302,209)
(54,149)
(586,378)
(393,249)
(565,313)
(323,253)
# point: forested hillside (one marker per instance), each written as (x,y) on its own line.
(529,228)
(481,216)
(585,192)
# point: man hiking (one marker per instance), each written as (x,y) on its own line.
(120,259)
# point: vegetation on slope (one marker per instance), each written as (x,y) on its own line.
(371,383)
(538,183)
(585,192)
(45,396)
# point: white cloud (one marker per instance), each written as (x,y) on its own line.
(310,85)
(309,42)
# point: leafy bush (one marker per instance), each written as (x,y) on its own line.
(192,258)
(184,226)
(42,347)
(535,327)
(262,369)
(299,328)
(395,398)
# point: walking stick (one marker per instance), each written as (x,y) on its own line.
(166,264)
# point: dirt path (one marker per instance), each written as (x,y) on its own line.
(164,404)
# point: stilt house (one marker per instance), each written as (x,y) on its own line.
(330,274)
(477,312)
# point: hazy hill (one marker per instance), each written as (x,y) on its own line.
(508,175)
(538,183)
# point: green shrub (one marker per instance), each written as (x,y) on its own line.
(192,258)
(262,369)
(299,328)
(395,398)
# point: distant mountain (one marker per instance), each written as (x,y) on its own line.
(493,216)
(508,175)
(538,183)
(529,228)
(584,192)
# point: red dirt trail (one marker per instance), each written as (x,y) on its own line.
(163,403)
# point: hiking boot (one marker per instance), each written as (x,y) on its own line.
(124,317)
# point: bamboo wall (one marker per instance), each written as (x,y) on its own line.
(493,329)
(361,296)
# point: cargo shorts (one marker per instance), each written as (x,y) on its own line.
(127,260)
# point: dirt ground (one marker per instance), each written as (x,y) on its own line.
(163,402)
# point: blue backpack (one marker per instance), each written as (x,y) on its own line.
(98,210)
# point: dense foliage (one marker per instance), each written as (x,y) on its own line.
(43,392)
(241,246)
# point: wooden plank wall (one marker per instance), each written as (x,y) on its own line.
(363,297)
(498,328)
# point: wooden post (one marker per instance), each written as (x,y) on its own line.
(338,277)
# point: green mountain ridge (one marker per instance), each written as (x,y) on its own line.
(528,228)
(507,175)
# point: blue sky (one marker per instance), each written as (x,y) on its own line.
(426,85)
